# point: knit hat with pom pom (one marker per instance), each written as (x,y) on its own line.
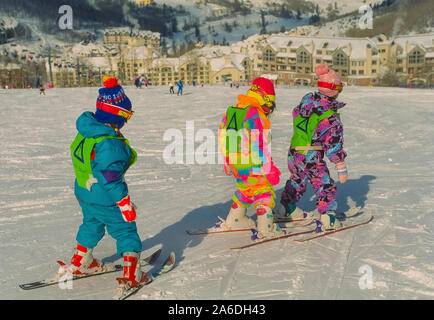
(112,105)
(329,82)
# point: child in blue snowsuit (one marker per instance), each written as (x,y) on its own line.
(101,156)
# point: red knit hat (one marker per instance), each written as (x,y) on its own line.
(263,90)
(265,84)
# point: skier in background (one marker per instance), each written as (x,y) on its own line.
(41,90)
(101,156)
(180,86)
(249,160)
(138,83)
(171,89)
(318,132)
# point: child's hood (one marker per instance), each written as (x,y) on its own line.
(316,103)
(89,127)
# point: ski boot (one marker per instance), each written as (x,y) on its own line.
(237,218)
(83,262)
(327,222)
(288,212)
(266,227)
(133,274)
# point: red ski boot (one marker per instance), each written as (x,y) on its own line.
(133,275)
(83,261)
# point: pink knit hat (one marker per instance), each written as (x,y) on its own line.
(329,82)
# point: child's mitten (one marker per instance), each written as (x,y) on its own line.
(341,167)
(274,175)
(127,208)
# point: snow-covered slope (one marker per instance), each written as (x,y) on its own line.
(388,134)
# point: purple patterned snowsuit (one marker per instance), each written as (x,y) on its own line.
(312,166)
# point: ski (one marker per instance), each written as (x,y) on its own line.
(167,265)
(273,239)
(367,219)
(213,231)
(284,225)
(219,227)
(348,214)
(306,221)
(107,268)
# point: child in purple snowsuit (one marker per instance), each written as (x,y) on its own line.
(318,132)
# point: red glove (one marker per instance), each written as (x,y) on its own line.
(127,208)
(274,176)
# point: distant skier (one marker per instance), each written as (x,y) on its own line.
(244,139)
(318,131)
(171,88)
(101,156)
(180,86)
(41,90)
(138,83)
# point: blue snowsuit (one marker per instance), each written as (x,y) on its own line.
(180,86)
(109,161)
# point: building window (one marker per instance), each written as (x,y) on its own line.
(353,71)
(361,72)
(361,63)
(318,60)
(374,71)
(416,57)
(268,56)
(340,60)
(302,57)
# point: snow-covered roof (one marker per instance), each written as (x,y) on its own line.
(355,48)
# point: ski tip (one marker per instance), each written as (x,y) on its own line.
(153,257)
(25,286)
(172,259)
(61,263)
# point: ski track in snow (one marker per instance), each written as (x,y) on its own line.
(388,134)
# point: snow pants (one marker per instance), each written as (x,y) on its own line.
(256,191)
(312,168)
(97,218)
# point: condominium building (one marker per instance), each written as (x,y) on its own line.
(358,61)
(287,58)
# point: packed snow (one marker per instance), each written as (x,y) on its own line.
(388,138)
